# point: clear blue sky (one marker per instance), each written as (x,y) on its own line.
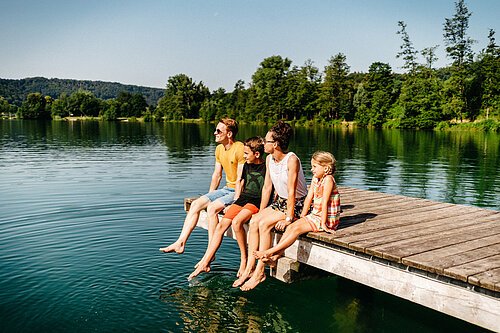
(217,42)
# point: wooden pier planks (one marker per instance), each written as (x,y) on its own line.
(456,241)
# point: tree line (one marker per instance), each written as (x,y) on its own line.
(16,91)
(421,97)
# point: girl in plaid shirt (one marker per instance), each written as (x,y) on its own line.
(323,197)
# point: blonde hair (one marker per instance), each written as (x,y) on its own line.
(326,160)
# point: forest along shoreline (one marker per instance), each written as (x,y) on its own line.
(464,95)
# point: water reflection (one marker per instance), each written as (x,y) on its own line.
(207,306)
(97,199)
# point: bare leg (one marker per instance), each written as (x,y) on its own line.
(213,210)
(241,237)
(189,224)
(291,234)
(266,224)
(253,244)
(213,246)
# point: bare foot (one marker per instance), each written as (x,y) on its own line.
(201,268)
(271,260)
(177,247)
(261,254)
(239,282)
(253,282)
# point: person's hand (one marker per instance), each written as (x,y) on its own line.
(281,225)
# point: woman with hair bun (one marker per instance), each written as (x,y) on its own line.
(284,173)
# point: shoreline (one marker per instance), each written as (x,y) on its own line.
(482,125)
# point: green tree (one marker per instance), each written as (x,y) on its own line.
(302,91)
(408,52)
(458,44)
(83,103)
(237,101)
(269,82)
(459,49)
(489,62)
(34,107)
(4,106)
(215,107)
(375,95)
(335,101)
(419,101)
(60,107)
(182,99)
(131,105)
(429,54)
(111,110)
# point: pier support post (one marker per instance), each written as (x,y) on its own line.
(286,270)
(290,270)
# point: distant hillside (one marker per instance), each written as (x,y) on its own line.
(15,91)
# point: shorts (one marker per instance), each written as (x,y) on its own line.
(280,205)
(234,209)
(225,195)
(314,222)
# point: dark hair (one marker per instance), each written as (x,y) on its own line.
(231,124)
(281,132)
(256,144)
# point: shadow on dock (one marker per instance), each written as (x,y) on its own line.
(348,221)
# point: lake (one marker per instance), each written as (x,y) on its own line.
(86,205)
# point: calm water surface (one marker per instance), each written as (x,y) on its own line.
(86,205)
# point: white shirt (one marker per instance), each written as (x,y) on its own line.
(279,177)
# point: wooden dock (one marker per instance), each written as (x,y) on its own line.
(440,255)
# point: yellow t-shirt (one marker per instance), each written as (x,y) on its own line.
(229,159)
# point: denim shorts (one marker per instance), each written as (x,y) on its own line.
(225,195)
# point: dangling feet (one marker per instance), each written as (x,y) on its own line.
(242,278)
(177,247)
(201,268)
(253,281)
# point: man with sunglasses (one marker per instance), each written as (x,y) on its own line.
(228,157)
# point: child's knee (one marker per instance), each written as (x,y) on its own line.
(238,223)
(253,225)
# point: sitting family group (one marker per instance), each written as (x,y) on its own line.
(270,193)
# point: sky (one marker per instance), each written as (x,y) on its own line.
(217,42)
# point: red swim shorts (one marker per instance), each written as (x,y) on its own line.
(233,210)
